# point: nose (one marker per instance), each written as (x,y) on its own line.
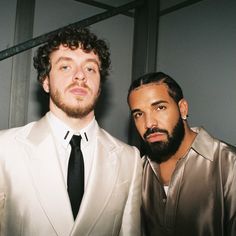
(150,121)
(79,75)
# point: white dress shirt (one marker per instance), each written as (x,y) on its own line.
(63,134)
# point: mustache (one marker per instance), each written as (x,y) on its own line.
(82,85)
(153,130)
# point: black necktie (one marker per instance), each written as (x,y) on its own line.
(75,176)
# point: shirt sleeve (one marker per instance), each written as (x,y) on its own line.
(230,201)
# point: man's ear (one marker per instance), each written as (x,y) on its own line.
(46,85)
(183,107)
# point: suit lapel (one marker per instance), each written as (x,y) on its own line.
(100,186)
(48,179)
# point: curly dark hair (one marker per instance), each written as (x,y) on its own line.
(72,37)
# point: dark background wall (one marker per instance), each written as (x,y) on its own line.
(196,46)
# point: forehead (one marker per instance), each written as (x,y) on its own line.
(66,53)
(149,93)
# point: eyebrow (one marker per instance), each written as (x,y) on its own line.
(93,60)
(70,59)
(158,102)
(63,59)
(135,110)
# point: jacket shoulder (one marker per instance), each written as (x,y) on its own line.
(10,134)
(109,139)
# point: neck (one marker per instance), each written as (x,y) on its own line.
(186,143)
(73,123)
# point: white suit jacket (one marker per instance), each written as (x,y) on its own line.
(33,193)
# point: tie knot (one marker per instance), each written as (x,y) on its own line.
(75,141)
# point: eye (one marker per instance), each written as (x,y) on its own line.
(137,115)
(160,107)
(64,67)
(91,68)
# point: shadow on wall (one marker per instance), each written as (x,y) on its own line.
(101,108)
(103,102)
(43,100)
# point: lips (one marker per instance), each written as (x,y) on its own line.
(155,137)
(78,91)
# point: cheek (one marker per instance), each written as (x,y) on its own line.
(139,127)
(95,86)
(61,83)
(169,118)
(172,121)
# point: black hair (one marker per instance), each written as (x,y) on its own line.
(174,89)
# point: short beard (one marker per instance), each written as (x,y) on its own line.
(162,151)
(77,112)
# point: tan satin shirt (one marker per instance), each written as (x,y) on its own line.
(201,199)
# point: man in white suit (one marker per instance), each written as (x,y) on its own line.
(34,159)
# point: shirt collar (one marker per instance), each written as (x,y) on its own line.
(203,143)
(64,133)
